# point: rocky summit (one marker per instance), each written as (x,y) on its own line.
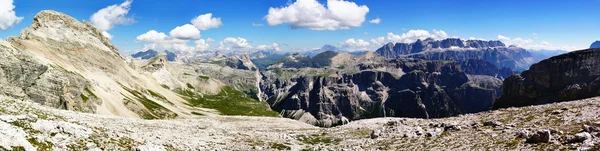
(65,86)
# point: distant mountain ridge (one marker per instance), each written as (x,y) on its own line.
(149,54)
(495,52)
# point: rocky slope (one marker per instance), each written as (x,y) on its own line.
(560,126)
(377,87)
(482,67)
(456,49)
(63,63)
(570,76)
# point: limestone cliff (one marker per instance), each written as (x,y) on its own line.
(571,76)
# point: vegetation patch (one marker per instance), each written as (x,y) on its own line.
(318,139)
(196,113)
(190,86)
(203,77)
(165,86)
(84,98)
(90,92)
(279,146)
(41,146)
(157,110)
(228,102)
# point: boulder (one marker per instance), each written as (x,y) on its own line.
(542,136)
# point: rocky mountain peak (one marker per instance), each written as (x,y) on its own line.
(56,26)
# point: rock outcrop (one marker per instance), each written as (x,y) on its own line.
(243,62)
(456,49)
(571,76)
(423,89)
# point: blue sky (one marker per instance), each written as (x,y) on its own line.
(534,24)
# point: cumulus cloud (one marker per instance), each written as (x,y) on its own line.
(272,47)
(375,21)
(530,44)
(231,43)
(8,17)
(106,18)
(378,41)
(338,14)
(159,40)
(152,36)
(503,38)
(201,45)
(107,35)
(209,40)
(358,44)
(206,21)
(414,35)
(186,31)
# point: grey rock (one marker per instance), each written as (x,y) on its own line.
(492,123)
(375,134)
(578,138)
(542,136)
(590,129)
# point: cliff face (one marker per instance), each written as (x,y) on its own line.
(570,76)
(482,67)
(455,49)
(424,89)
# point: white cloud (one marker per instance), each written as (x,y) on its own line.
(206,21)
(366,33)
(209,40)
(473,38)
(201,45)
(503,38)
(257,25)
(530,44)
(160,41)
(375,21)
(152,36)
(535,34)
(272,47)
(8,17)
(107,35)
(357,44)
(311,14)
(231,43)
(414,35)
(378,41)
(185,32)
(106,18)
